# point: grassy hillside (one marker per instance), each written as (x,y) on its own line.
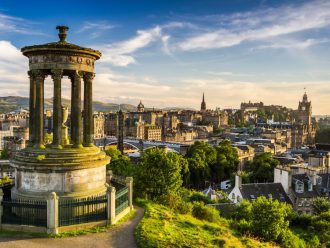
(160,227)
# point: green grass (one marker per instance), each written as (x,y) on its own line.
(127,217)
(160,227)
(22,234)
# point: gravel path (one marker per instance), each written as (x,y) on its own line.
(118,237)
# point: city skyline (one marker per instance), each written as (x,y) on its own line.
(170,53)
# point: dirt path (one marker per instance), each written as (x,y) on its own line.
(118,237)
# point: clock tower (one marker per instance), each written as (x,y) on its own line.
(304,112)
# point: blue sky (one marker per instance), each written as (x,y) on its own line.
(167,53)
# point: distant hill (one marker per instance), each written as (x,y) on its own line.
(177,108)
(10,103)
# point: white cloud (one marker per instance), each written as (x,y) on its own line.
(13,67)
(260,25)
(294,44)
(110,86)
(119,53)
(122,53)
(11,24)
(96,29)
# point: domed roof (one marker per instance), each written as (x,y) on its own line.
(305,98)
(60,46)
(140,105)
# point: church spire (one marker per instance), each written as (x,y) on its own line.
(203,104)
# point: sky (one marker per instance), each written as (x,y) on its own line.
(167,53)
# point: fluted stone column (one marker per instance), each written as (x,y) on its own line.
(39,109)
(32,105)
(88,109)
(76,109)
(57,108)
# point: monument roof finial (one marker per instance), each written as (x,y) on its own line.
(62,32)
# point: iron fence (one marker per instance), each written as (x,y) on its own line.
(24,212)
(121,199)
(83,210)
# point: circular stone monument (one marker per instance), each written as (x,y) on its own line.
(73,168)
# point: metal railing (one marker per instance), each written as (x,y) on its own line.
(121,199)
(83,210)
(20,212)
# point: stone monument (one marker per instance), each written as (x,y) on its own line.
(73,170)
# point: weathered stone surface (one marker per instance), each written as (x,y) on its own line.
(69,170)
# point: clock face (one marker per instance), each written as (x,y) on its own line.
(303,108)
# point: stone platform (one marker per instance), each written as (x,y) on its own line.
(72,173)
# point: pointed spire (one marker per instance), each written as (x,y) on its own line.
(203,105)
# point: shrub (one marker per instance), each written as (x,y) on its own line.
(302,221)
(199,197)
(242,211)
(269,218)
(242,226)
(203,212)
(184,207)
(287,239)
(170,200)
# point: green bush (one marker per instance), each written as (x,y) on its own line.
(199,197)
(184,207)
(287,239)
(303,221)
(242,211)
(203,212)
(171,200)
(242,226)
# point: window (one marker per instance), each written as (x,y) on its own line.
(299,187)
(233,196)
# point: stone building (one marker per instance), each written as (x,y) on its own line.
(304,128)
(251,191)
(140,107)
(320,156)
(245,153)
(152,133)
(99,124)
(303,185)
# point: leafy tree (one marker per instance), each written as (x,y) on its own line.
(4,154)
(226,161)
(159,173)
(261,169)
(321,226)
(113,153)
(270,218)
(120,164)
(261,114)
(200,157)
(323,135)
(321,205)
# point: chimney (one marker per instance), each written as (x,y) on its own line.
(238,181)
